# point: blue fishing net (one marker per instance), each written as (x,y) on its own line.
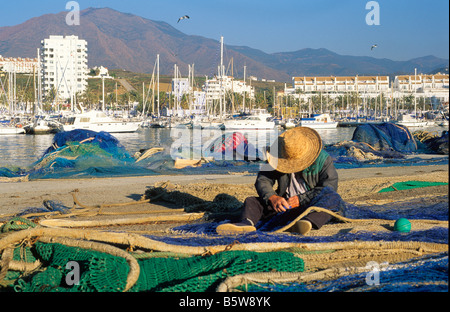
(424,274)
(438,144)
(386,137)
(82,153)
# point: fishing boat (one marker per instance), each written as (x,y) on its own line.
(318,121)
(252,122)
(99,121)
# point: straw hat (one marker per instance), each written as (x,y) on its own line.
(295,150)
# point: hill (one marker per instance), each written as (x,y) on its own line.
(125,41)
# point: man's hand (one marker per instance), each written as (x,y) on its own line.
(278,203)
(293,202)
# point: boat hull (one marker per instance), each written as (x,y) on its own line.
(106,127)
(248,127)
(11,130)
(413,123)
(319,125)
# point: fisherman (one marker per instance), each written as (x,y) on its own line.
(302,170)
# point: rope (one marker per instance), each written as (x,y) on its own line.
(284,277)
(138,241)
(344,219)
(423,136)
(110,222)
(149,153)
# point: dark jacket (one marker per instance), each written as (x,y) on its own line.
(319,175)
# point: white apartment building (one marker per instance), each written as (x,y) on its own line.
(18,65)
(342,84)
(64,65)
(436,86)
(180,86)
(216,87)
(421,82)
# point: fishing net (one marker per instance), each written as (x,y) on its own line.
(432,142)
(175,269)
(386,137)
(79,153)
(388,144)
(101,272)
(424,274)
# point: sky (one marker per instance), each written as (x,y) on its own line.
(402,29)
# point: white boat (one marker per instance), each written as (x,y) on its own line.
(409,120)
(318,121)
(252,122)
(207,123)
(43,126)
(99,121)
(290,123)
(11,130)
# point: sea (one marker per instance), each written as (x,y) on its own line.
(21,151)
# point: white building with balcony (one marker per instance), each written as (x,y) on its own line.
(217,87)
(429,86)
(341,84)
(18,64)
(64,65)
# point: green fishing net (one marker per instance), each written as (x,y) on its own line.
(100,272)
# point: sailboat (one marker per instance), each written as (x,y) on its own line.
(410,120)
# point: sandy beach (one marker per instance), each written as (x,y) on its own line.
(355,186)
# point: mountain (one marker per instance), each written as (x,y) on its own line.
(126,41)
(323,62)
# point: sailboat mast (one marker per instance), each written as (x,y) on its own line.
(157,64)
(245,89)
(415,90)
(221,77)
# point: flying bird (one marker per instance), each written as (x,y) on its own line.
(182,18)
(373,46)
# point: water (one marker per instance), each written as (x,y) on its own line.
(23,150)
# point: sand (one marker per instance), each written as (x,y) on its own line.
(356,186)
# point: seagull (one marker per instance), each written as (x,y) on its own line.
(182,18)
(374,46)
